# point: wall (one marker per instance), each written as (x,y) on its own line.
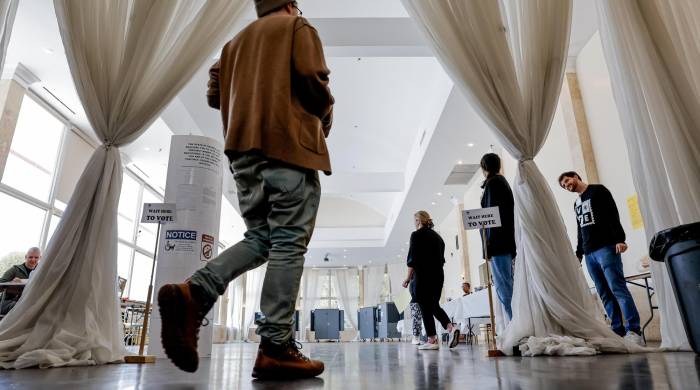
(448,230)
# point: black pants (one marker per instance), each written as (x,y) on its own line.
(428,291)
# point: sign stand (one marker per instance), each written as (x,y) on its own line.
(481,219)
(151,209)
(493,351)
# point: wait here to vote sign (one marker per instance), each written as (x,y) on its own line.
(481,218)
(158,213)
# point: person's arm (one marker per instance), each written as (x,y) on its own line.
(8,276)
(408,277)
(312,74)
(579,245)
(617,231)
(213,95)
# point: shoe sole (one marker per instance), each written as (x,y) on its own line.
(170,305)
(283,374)
(455,338)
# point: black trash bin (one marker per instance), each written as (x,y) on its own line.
(679,247)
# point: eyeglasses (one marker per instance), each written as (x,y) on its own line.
(297,8)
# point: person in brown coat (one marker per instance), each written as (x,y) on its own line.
(271,86)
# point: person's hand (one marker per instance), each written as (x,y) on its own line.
(16,280)
(620,248)
(405,283)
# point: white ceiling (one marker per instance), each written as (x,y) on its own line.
(399,126)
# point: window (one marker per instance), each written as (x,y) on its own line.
(137,241)
(21,227)
(30,164)
(44,163)
(128,207)
(140,277)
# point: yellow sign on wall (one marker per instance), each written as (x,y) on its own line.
(635,213)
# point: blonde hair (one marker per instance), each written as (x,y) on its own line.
(424,218)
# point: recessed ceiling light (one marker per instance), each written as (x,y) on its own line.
(345,250)
(439,194)
(471,145)
(433,203)
(460,162)
(345,257)
(47,50)
(370,261)
(147,148)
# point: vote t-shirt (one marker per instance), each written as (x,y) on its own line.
(598,220)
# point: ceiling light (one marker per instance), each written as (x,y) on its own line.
(433,203)
(439,194)
(345,250)
(345,257)
(370,262)
(147,148)
(47,50)
(471,145)
(460,162)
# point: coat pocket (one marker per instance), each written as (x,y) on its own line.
(311,134)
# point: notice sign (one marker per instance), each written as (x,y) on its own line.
(180,241)
(481,218)
(158,213)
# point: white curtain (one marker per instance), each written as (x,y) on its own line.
(348,286)
(397,274)
(374,282)
(8,11)
(128,59)
(311,292)
(253,290)
(653,51)
(508,57)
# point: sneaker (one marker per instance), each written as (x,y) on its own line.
(634,337)
(429,346)
(416,340)
(182,310)
(284,362)
(453,340)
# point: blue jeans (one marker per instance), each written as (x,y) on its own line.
(605,268)
(502,269)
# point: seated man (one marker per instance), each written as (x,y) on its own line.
(19,273)
(466,288)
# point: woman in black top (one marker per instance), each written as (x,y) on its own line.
(426,256)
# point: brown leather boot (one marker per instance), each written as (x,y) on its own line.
(284,362)
(182,310)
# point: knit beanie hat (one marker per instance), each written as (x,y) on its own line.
(262,7)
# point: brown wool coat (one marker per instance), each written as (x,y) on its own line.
(271,85)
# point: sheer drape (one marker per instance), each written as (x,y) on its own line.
(348,287)
(8,10)
(653,51)
(311,292)
(397,274)
(128,59)
(253,290)
(508,57)
(374,282)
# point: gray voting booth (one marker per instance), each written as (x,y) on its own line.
(379,322)
(327,323)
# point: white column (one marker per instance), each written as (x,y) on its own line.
(194,185)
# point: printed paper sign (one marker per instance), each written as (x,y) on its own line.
(481,218)
(158,213)
(635,213)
